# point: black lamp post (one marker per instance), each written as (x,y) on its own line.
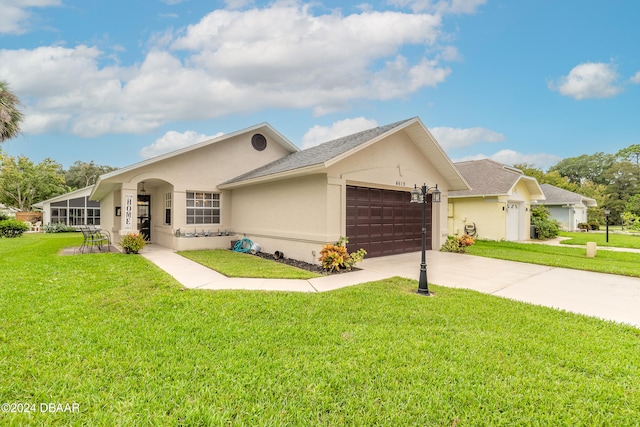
(420,196)
(606,220)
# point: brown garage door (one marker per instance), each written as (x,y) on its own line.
(384,222)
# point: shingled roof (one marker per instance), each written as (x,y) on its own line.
(489,178)
(559,196)
(316,155)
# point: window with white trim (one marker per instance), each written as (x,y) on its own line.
(203,207)
(167,208)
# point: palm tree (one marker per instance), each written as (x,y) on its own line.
(10,116)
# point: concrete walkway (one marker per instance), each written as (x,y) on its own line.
(606,296)
(196,276)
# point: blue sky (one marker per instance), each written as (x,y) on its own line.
(516,81)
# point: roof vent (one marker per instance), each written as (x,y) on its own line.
(259,142)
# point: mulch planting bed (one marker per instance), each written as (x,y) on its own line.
(314,268)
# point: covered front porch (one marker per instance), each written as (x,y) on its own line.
(173,217)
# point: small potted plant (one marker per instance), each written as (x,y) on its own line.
(132,243)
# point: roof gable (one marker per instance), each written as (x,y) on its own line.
(317,155)
(559,196)
(102,187)
(321,156)
(489,178)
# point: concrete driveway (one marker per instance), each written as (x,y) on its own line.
(606,296)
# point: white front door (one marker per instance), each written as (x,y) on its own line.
(513,221)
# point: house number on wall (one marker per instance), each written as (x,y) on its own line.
(400,183)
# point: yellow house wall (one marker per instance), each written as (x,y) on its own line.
(489,214)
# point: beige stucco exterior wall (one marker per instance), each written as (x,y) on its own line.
(295,214)
(489,214)
(290,215)
(201,169)
(306,212)
(395,163)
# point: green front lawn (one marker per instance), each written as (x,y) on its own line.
(606,261)
(119,337)
(235,264)
(615,240)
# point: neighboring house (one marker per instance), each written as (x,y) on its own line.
(256,183)
(8,210)
(566,207)
(73,209)
(497,207)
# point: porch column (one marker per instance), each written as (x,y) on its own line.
(129,215)
(179,207)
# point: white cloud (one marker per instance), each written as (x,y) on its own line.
(510,157)
(457,138)
(589,80)
(232,62)
(43,123)
(172,141)
(635,78)
(319,134)
(15,14)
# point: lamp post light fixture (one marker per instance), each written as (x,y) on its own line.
(419,195)
(606,219)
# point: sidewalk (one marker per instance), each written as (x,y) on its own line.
(606,296)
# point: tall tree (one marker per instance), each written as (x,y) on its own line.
(23,183)
(10,115)
(82,174)
(585,167)
(623,181)
(633,204)
(553,177)
(631,154)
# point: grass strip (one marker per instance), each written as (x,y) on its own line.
(615,240)
(606,261)
(236,264)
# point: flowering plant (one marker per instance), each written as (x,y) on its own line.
(457,244)
(132,243)
(334,256)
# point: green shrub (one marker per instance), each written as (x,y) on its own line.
(335,257)
(132,243)
(457,244)
(546,227)
(594,224)
(4,216)
(58,228)
(12,228)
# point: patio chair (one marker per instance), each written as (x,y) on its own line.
(94,237)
